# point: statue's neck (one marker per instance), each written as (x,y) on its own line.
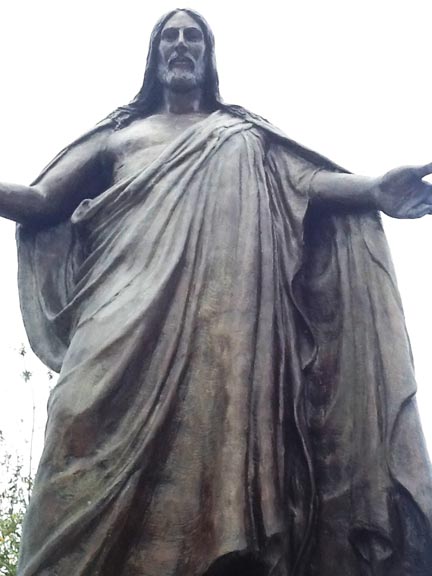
(182,102)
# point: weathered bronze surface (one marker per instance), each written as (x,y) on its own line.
(236,390)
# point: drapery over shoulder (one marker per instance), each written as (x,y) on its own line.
(233,363)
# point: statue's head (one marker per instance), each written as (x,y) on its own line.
(161,68)
(182,64)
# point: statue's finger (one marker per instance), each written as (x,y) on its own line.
(421,210)
(424,170)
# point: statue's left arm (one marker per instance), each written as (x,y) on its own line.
(400,193)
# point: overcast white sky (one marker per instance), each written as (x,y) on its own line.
(349,79)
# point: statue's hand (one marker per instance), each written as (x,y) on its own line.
(402,193)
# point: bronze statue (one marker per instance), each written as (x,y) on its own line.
(236,391)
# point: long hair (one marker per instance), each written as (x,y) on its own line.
(149,97)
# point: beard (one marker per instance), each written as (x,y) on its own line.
(180,79)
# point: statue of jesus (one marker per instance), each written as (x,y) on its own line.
(236,392)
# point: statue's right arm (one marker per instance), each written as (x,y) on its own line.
(82,172)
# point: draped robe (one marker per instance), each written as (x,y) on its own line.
(235,375)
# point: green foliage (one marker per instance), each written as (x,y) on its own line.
(13,503)
(15,485)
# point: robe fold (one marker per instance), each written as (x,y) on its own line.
(235,374)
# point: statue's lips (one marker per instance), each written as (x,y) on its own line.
(181,63)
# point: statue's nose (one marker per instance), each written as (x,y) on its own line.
(181,43)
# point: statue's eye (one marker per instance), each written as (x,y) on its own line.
(170,34)
(193,34)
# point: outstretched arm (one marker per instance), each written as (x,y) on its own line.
(400,193)
(80,173)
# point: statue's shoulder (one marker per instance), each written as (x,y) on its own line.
(278,140)
(87,144)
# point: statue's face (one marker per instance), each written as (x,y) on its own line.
(181,65)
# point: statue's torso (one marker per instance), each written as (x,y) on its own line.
(136,146)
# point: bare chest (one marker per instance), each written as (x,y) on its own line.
(135,147)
